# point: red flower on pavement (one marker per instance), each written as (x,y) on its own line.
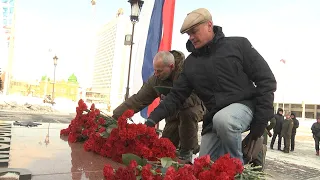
(65,132)
(112,139)
(125,174)
(146,173)
(72,137)
(108,172)
(102,129)
(201,163)
(101,121)
(133,164)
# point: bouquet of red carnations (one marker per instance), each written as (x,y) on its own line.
(167,169)
(113,138)
(147,156)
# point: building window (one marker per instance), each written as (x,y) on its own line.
(309,106)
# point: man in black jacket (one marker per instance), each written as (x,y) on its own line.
(277,129)
(232,79)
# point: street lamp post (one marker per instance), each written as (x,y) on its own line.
(136,6)
(55,59)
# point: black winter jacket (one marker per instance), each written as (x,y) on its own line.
(279,120)
(227,70)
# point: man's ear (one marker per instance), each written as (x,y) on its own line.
(210,26)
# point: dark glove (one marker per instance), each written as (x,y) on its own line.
(251,148)
(150,123)
(269,133)
(257,130)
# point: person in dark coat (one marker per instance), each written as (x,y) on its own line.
(294,130)
(232,79)
(277,129)
(316,134)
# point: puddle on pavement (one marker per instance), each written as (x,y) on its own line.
(42,151)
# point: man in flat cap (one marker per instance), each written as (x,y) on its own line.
(182,126)
(232,79)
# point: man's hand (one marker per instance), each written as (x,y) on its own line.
(269,133)
(257,131)
(162,97)
(150,123)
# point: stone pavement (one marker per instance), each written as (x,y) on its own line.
(41,117)
(283,170)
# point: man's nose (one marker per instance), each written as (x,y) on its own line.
(191,37)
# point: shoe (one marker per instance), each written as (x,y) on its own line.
(271,147)
(185,156)
(185,159)
(292,150)
(317,153)
(196,150)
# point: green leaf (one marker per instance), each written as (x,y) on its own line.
(144,162)
(110,128)
(164,170)
(138,178)
(126,158)
(105,134)
(166,162)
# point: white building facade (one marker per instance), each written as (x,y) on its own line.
(111,61)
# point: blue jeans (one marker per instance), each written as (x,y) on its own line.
(228,124)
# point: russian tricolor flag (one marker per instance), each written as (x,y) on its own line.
(159,38)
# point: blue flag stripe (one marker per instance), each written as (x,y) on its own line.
(152,44)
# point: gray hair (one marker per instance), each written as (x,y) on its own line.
(166,57)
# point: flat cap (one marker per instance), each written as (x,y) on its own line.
(195,18)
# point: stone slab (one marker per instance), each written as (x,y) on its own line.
(43,152)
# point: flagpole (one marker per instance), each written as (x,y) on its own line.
(283,81)
(129,70)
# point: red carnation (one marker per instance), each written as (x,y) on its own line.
(125,174)
(65,132)
(128,113)
(146,173)
(92,107)
(108,172)
(72,137)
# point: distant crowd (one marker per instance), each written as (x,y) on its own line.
(285,127)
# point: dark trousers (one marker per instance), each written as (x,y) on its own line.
(293,136)
(316,142)
(286,140)
(274,139)
(183,128)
